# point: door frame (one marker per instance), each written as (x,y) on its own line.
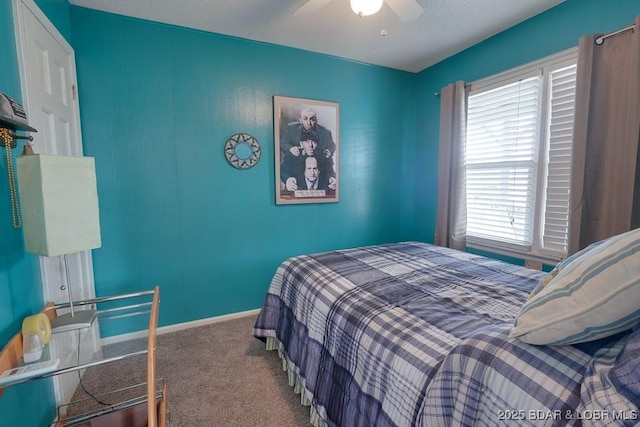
(51,269)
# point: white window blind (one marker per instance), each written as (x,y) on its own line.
(501,161)
(560,132)
(518,159)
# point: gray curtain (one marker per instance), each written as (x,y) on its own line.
(451,217)
(604,183)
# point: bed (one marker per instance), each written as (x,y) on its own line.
(411,334)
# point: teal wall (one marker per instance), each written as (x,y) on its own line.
(157,104)
(58,13)
(553,31)
(20,286)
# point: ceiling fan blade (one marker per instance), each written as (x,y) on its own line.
(310,7)
(407,10)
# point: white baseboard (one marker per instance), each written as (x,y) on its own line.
(180,326)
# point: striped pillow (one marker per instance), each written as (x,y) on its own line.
(562,264)
(593,294)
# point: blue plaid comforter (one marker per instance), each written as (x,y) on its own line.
(411,334)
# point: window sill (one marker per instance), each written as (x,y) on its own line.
(514,253)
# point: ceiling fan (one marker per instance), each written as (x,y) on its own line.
(407,10)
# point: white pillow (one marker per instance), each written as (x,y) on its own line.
(593,294)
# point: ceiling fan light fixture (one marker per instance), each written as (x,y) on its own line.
(366,7)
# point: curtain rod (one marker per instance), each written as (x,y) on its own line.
(600,39)
(438,93)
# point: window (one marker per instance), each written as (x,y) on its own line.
(518,157)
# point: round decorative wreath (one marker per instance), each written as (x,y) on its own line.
(242,151)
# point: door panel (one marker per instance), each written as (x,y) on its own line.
(48,78)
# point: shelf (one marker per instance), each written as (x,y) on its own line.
(11,354)
(110,310)
(134,314)
(131,411)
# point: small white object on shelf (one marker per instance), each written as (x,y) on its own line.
(32,348)
(28,371)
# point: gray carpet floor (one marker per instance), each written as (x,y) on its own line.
(216,375)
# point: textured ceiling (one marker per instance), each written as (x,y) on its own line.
(443,29)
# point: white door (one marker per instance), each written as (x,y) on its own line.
(49,92)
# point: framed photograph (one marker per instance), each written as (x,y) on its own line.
(307,143)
